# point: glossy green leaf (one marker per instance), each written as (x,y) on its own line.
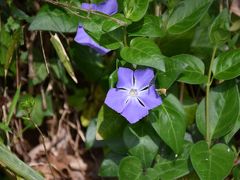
(150,26)
(112,40)
(219,31)
(52,19)
(214,163)
(140,144)
(169,122)
(110,124)
(221,118)
(143,51)
(131,168)
(227,65)
(174,167)
(193,69)
(135,9)
(186,15)
(12,162)
(110,25)
(56,42)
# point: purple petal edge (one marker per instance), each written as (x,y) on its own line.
(109,7)
(84,39)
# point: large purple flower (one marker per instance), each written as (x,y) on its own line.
(134,94)
(108,7)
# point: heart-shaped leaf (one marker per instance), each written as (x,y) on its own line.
(169,122)
(214,163)
(143,51)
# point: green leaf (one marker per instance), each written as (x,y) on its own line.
(109,166)
(130,168)
(219,31)
(110,25)
(144,52)
(227,65)
(150,26)
(63,56)
(214,163)
(139,141)
(186,15)
(11,48)
(52,19)
(40,72)
(169,122)
(112,40)
(193,69)
(174,167)
(110,124)
(223,110)
(12,162)
(91,134)
(13,105)
(135,9)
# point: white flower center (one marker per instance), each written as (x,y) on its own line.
(133,92)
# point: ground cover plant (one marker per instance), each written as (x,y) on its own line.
(119,89)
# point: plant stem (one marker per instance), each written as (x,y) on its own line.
(209,82)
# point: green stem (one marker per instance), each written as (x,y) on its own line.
(209,82)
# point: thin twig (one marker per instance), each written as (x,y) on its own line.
(43,51)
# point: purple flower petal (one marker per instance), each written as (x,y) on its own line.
(143,78)
(125,78)
(116,99)
(84,39)
(150,98)
(109,7)
(134,111)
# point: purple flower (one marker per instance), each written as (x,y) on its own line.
(109,7)
(134,95)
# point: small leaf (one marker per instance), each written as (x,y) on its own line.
(63,55)
(135,9)
(219,31)
(169,122)
(208,163)
(91,134)
(186,15)
(143,51)
(227,65)
(221,118)
(57,20)
(150,26)
(13,105)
